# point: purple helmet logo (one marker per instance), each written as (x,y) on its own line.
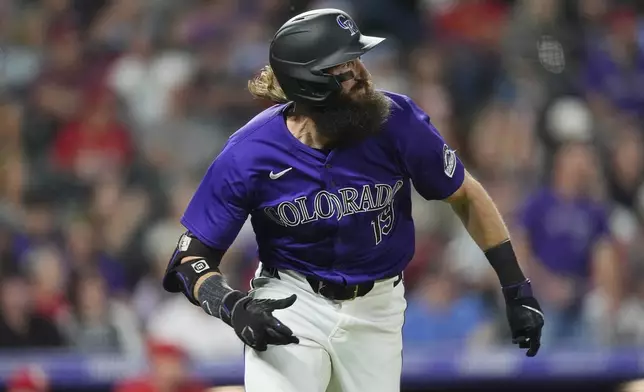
(347,24)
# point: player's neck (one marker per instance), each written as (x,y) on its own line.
(304,130)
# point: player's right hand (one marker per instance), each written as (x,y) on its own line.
(254,323)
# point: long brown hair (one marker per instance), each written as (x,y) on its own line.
(265,86)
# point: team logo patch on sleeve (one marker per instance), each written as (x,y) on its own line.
(449,161)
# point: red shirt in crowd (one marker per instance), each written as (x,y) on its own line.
(78,146)
(145,385)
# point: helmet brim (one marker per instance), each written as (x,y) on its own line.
(369,42)
(364,44)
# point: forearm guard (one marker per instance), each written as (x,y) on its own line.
(182,277)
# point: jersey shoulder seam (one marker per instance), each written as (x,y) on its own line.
(254,129)
(193,229)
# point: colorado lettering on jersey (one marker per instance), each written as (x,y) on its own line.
(326,205)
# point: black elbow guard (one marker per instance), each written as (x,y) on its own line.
(181,277)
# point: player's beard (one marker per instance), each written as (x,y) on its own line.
(350,119)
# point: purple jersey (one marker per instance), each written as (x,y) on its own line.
(562,232)
(344,216)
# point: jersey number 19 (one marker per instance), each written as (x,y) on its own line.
(383,223)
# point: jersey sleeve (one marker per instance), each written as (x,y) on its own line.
(434,168)
(220,205)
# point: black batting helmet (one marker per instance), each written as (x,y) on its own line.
(306,46)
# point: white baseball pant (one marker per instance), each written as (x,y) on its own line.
(345,346)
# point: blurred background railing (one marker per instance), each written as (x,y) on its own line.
(110,111)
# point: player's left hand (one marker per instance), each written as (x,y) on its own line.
(524,316)
(254,322)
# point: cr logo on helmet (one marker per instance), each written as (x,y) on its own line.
(347,24)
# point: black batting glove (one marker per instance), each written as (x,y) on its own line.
(524,316)
(253,320)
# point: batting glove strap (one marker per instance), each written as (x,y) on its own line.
(213,292)
(229,304)
(518,291)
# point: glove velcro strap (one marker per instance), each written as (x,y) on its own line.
(228,304)
(518,291)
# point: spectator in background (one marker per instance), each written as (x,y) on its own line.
(568,243)
(428,67)
(12,163)
(468,32)
(145,78)
(249,50)
(36,22)
(28,379)
(614,68)
(401,19)
(441,314)
(83,253)
(8,260)
(160,241)
(592,15)
(208,339)
(181,145)
(48,279)
(115,23)
(622,326)
(564,118)
(20,326)
(503,145)
(538,52)
(207,21)
(626,167)
(56,93)
(38,223)
(148,295)
(98,323)
(120,215)
(168,372)
(95,145)
(58,13)
(463,255)
(217,98)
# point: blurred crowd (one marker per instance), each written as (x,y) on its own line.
(111,110)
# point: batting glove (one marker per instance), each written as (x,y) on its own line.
(524,316)
(253,320)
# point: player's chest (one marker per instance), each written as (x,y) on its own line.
(336,184)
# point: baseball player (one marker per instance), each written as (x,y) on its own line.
(326,177)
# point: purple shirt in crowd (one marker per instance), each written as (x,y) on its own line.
(343,216)
(621,86)
(562,232)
